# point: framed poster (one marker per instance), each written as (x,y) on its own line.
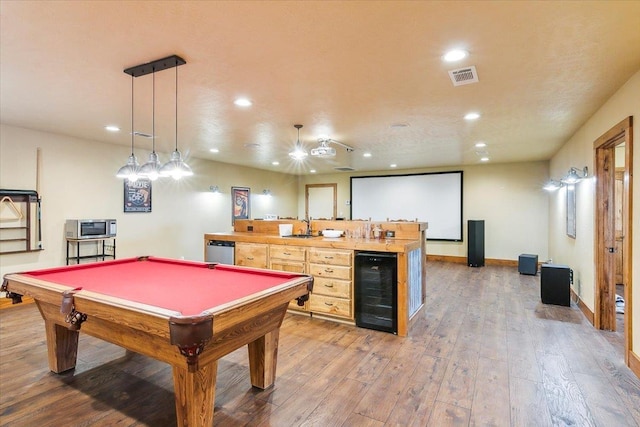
(137,195)
(571,211)
(240,203)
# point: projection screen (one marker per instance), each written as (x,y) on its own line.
(435,198)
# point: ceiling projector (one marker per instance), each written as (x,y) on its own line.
(323,151)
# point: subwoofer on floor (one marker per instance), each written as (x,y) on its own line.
(555,284)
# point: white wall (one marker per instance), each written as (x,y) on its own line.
(78,181)
(579,152)
(509,197)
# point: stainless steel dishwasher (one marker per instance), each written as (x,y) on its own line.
(220,251)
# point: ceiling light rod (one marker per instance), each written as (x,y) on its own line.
(130,170)
(155,66)
(176,167)
(151,169)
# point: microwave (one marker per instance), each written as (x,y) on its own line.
(90,228)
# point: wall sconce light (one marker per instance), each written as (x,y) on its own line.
(214,189)
(266,192)
(552,185)
(575,175)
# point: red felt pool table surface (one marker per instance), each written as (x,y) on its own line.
(186,287)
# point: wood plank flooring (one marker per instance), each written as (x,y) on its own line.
(484,352)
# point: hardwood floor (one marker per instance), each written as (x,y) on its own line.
(485,352)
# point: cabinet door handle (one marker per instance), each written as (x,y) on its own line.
(250,258)
(328,270)
(329,304)
(328,286)
(286,253)
(328,257)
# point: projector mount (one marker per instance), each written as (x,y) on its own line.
(324,150)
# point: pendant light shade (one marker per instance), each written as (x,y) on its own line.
(131,170)
(176,167)
(151,169)
(298,153)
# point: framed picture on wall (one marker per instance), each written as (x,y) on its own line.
(240,203)
(137,195)
(571,211)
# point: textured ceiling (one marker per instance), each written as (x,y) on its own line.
(348,70)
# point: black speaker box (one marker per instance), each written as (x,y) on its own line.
(475,243)
(528,264)
(555,284)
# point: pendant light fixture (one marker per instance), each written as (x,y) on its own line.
(132,168)
(151,169)
(298,153)
(176,167)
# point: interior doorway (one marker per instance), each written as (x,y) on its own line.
(613,226)
(320,201)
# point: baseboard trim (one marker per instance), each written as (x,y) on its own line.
(634,363)
(463,260)
(583,307)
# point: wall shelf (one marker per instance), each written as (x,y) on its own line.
(20,215)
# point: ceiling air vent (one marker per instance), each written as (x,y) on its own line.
(464,76)
(142,134)
(344,168)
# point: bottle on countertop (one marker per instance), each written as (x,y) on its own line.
(377,231)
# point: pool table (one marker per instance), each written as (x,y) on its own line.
(187,314)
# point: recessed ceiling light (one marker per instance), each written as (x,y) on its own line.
(472,116)
(112,128)
(312,171)
(366,155)
(484,159)
(243,102)
(275,163)
(393,165)
(455,55)
(481,144)
(214,150)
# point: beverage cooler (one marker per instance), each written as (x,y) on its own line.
(376,291)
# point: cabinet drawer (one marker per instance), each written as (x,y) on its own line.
(331,271)
(291,266)
(293,253)
(330,305)
(251,255)
(332,287)
(326,256)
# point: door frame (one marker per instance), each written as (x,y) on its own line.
(335,197)
(604,147)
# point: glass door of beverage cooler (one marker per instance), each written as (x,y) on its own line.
(376,291)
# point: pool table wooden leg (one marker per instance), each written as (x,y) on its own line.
(62,347)
(263,358)
(195,394)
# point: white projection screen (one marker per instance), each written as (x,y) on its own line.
(435,198)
